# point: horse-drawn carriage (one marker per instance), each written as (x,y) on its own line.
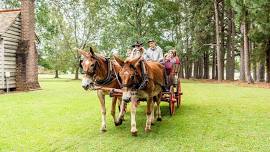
(172,94)
(120,79)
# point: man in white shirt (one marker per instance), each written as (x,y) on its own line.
(137,50)
(154,52)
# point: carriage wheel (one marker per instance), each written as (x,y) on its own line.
(172,101)
(179,91)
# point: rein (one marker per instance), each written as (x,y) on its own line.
(145,76)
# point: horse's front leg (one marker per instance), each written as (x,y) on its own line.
(119,107)
(158,108)
(121,114)
(101,97)
(133,116)
(153,112)
(148,114)
(114,100)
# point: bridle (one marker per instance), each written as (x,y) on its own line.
(87,72)
(138,81)
(135,79)
(111,74)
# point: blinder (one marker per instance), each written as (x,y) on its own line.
(134,78)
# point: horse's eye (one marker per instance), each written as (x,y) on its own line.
(132,77)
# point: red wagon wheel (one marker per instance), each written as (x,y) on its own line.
(179,93)
(172,101)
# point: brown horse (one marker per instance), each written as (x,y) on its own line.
(131,75)
(100,71)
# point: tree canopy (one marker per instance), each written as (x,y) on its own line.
(214,38)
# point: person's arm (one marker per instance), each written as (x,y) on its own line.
(145,55)
(160,56)
(173,60)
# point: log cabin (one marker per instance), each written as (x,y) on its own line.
(18,53)
(10,36)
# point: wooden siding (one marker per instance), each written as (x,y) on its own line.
(11,39)
(2,80)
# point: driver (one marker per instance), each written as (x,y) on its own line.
(137,50)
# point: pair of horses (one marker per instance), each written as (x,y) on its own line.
(124,75)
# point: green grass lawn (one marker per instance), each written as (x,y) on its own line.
(64,117)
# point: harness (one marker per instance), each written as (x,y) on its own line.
(139,82)
(144,75)
(110,75)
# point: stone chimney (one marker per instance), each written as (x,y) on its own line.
(27,56)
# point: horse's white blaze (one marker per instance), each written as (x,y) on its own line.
(126,95)
(85,81)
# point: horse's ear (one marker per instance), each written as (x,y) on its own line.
(135,61)
(119,61)
(91,51)
(83,53)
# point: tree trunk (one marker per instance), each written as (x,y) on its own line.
(214,64)
(230,47)
(56,74)
(206,65)
(181,71)
(261,71)
(77,73)
(246,49)
(255,71)
(242,63)
(195,70)
(188,69)
(222,37)
(254,62)
(201,67)
(268,62)
(219,64)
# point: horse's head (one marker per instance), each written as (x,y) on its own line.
(129,75)
(89,66)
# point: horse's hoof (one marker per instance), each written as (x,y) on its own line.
(103,130)
(159,119)
(134,134)
(118,123)
(147,130)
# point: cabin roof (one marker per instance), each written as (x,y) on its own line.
(7,17)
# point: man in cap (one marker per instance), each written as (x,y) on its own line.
(154,52)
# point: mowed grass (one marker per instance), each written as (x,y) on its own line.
(64,117)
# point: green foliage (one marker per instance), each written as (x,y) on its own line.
(259,18)
(188,26)
(9,4)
